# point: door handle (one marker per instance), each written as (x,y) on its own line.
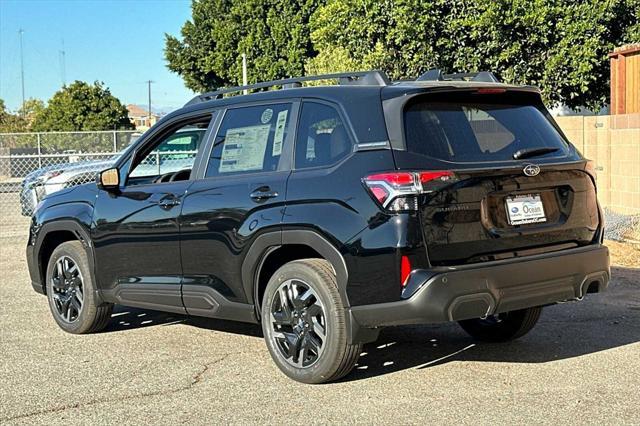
(169,202)
(263,193)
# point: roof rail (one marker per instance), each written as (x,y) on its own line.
(437,75)
(359,78)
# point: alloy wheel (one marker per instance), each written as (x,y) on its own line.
(298,323)
(68,290)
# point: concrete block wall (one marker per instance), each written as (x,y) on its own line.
(613,143)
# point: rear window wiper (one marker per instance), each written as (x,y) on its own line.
(533,152)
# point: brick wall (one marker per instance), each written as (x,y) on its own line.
(613,143)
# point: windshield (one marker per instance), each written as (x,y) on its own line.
(467,130)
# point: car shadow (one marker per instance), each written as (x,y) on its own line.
(568,330)
(598,323)
(126,318)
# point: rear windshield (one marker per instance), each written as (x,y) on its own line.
(471,131)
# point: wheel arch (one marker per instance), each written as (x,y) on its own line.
(274,249)
(51,235)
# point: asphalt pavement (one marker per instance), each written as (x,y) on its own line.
(580,365)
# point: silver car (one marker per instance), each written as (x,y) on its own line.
(49,179)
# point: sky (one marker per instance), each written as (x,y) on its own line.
(118,42)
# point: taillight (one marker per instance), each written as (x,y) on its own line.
(405,270)
(429,176)
(489,91)
(397,191)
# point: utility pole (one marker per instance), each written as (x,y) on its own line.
(20,32)
(149,90)
(244,72)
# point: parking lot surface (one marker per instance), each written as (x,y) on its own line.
(580,365)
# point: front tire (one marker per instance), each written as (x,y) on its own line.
(502,327)
(71,291)
(304,324)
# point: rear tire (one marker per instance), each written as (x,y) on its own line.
(71,291)
(502,327)
(304,323)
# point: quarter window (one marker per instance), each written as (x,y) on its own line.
(250,140)
(322,136)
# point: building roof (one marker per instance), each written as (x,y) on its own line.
(136,111)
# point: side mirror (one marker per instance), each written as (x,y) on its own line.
(109,180)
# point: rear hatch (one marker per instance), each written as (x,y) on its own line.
(518,187)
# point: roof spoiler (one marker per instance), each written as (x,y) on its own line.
(437,75)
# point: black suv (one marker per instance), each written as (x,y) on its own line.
(327,212)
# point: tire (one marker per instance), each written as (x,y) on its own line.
(307,336)
(72,299)
(502,327)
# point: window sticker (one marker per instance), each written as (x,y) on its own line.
(266,116)
(278,138)
(244,149)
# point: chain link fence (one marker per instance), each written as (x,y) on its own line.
(33,165)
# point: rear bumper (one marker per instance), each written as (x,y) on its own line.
(475,291)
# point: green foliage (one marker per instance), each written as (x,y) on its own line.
(396,36)
(82,106)
(632,34)
(329,61)
(273,33)
(11,123)
(31,109)
(560,45)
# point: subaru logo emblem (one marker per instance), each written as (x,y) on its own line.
(531,170)
(514,210)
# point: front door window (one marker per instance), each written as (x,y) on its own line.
(172,156)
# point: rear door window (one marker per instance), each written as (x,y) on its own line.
(470,130)
(250,140)
(322,136)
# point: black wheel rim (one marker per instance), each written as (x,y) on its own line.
(68,290)
(298,323)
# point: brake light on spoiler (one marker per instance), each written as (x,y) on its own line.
(398,191)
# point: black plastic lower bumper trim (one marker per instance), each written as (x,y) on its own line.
(475,291)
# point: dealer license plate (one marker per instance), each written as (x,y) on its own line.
(523,209)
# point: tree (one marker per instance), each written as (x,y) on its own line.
(274,34)
(11,123)
(396,36)
(31,109)
(82,106)
(560,45)
(337,59)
